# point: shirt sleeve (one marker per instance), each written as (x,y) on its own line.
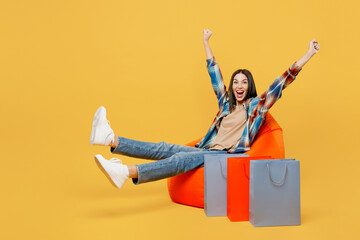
(270,96)
(217,81)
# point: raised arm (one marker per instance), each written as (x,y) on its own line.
(269,97)
(314,47)
(214,72)
(207,35)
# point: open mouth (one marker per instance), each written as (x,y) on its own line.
(239,93)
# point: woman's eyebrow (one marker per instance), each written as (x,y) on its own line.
(240,80)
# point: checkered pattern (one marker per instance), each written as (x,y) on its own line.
(256,107)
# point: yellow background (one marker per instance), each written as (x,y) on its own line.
(145,62)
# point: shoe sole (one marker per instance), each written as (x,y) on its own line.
(98,163)
(95,123)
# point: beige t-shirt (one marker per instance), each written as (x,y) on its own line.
(231,129)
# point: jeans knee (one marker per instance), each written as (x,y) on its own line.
(162,145)
(188,161)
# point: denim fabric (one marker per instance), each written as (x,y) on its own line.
(172,159)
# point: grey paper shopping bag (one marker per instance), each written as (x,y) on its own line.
(215,183)
(274,197)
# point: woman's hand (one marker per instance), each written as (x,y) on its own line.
(314,47)
(207,35)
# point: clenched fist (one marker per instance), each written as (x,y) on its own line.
(314,46)
(207,35)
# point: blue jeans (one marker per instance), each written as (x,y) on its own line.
(174,159)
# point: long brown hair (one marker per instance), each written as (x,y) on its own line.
(251,89)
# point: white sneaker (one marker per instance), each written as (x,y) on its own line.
(114,170)
(101,133)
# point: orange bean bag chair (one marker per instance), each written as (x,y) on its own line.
(188,188)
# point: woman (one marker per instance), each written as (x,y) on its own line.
(241,113)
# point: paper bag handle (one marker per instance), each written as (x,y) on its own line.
(282,180)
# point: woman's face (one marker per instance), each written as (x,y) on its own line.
(240,87)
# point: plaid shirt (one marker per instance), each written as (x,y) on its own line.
(255,108)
